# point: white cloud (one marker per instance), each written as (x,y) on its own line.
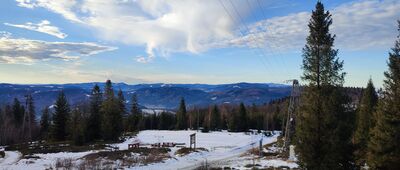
(63,7)
(168,26)
(163,26)
(358,25)
(24,51)
(43,26)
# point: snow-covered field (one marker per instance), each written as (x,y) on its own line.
(222,147)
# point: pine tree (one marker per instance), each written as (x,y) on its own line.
(135,116)
(233,122)
(242,117)
(215,119)
(384,146)
(112,114)
(18,112)
(364,122)
(30,122)
(76,127)
(121,100)
(181,122)
(93,124)
(45,123)
(60,118)
(324,124)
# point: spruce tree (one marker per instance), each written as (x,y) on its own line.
(121,100)
(45,123)
(93,124)
(181,121)
(18,112)
(364,122)
(215,119)
(233,121)
(60,118)
(384,146)
(132,123)
(30,120)
(76,127)
(242,118)
(324,123)
(112,114)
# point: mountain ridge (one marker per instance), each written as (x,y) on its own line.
(153,95)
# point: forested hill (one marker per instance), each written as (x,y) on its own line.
(160,96)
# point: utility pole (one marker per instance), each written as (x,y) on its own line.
(290,121)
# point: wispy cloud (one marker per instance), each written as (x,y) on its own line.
(25,51)
(43,26)
(164,27)
(358,25)
(63,7)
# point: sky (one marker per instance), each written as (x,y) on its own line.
(191,41)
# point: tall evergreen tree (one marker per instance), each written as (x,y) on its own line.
(93,124)
(181,121)
(384,146)
(242,123)
(60,118)
(45,123)
(76,127)
(121,100)
(233,121)
(18,112)
(30,119)
(112,114)
(364,122)
(215,118)
(135,116)
(324,125)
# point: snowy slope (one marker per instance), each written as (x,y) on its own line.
(221,146)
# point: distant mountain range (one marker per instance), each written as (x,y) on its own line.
(152,96)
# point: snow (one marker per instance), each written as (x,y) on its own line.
(223,147)
(241,162)
(9,158)
(156,111)
(214,98)
(13,160)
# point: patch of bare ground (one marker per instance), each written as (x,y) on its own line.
(125,158)
(184,151)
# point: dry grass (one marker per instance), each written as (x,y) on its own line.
(125,158)
(184,151)
(64,164)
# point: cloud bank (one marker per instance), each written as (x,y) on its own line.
(24,51)
(358,25)
(43,26)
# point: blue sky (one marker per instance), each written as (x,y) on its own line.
(208,41)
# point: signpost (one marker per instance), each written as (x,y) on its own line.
(193,141)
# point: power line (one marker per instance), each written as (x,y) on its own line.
(241,32)
(264,35)
(241,20)
(272,37)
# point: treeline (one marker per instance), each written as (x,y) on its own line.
(332,132)
(18,121)
(106,116)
